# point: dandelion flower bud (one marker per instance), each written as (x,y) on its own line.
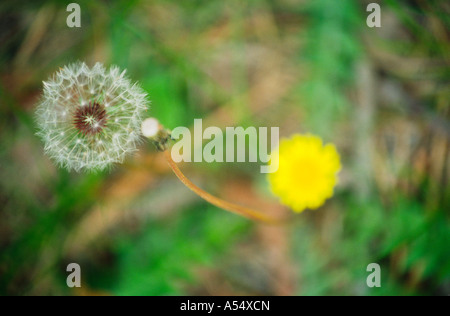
(90,118)
(150,127)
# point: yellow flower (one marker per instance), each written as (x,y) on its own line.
(307,172)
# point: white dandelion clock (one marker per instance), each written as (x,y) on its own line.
(90,118)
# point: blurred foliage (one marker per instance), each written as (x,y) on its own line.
(163,256)
(381,95)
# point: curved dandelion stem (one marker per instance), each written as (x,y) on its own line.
(231,207)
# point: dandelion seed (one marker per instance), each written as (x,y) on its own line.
(85,119)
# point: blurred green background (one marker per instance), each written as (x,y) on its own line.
(380,94)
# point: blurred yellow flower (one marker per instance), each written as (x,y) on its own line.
(307,172)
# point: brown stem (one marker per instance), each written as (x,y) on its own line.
(231,207)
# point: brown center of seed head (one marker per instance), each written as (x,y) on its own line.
(90,119)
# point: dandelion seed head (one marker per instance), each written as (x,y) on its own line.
(78,113)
